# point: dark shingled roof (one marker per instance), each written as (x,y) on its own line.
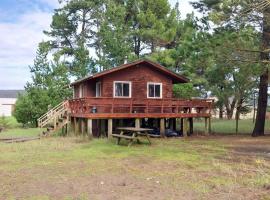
(177,78)
(10,93)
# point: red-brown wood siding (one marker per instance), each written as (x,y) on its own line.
(139,76)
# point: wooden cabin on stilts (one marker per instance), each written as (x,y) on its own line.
(137,94)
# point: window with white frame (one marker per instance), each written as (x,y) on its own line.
(98,89)
(122,89)
(154,90)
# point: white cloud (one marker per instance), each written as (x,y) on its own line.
(19,40)
(18,44)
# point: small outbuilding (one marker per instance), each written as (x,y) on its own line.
(8,99)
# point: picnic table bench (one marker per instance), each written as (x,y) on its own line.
(131,134)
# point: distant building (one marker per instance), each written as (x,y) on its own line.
(8,99)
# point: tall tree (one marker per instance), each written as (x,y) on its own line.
(239,14)
(48,87)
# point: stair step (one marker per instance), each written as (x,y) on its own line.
(50,128)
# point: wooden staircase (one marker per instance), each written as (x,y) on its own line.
(55,119)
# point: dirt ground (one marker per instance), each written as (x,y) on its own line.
(240,172)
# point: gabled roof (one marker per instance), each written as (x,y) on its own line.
(175,77)
(10,93)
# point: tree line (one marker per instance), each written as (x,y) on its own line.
(224,52)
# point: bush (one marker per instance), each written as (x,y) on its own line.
(3,122)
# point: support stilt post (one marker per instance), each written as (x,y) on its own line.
(90,128)
(181,125)
(137,123)
(206,126)
(83,127)
(162,127)
(185,127)
(190,126)
(103,127)
(110,128)
(76,130)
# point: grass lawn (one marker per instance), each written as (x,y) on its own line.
(214,167)
(20,132)
(14,129)
(228,126)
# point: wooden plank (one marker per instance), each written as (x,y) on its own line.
(122,136)
(134,129)
(21,140)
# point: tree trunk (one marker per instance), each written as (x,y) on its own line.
(220,112)
(254,108)
(230,108)
(263,86)
(262,105)
(237,114)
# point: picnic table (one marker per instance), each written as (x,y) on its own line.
(131,134)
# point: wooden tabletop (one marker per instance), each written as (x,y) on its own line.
(134,129)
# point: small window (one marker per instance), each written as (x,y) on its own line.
(122,89)
(154,90)
(98,89)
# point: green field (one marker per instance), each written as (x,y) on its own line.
(15,129)
(228,126)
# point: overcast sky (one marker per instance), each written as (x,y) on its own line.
(21,26)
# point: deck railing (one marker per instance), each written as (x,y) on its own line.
(131,105)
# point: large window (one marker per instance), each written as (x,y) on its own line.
(122,89)
(154,90)
(98,89)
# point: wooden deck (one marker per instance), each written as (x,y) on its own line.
(104,108)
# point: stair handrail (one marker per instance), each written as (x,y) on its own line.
(54,112)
